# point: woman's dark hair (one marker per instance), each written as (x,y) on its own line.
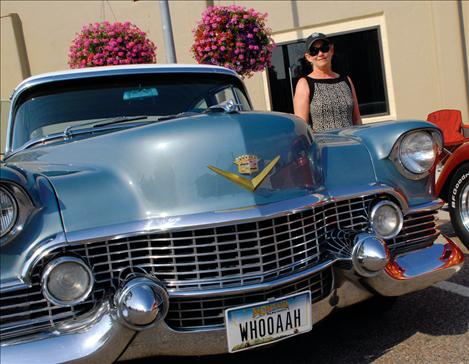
(303,68)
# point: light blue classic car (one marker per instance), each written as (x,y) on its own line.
(146,210)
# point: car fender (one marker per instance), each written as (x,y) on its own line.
(459,156)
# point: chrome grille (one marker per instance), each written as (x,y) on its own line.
(419,230)
(217,257)
(26,311)
(229,255)
(193,314)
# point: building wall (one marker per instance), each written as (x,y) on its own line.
(423,41)
(425,53)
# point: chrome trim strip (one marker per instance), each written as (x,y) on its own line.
(199,220)
(9,286)
(218,218)
(426,207)
(251,288)
(44,249)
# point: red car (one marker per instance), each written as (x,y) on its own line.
(453,183)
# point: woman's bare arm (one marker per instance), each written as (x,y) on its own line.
(356,117)
(301,100)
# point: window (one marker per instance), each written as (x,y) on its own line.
(357,54)
(50,108)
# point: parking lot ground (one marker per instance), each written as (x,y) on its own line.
(429,326)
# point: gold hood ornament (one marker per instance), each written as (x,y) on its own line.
(247,164)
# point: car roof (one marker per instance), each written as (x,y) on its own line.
(89,72)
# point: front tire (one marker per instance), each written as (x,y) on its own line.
(458,202)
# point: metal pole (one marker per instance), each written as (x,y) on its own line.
(20,44)
(167,31)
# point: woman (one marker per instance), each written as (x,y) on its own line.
(324,98)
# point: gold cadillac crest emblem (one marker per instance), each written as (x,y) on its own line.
(247,164)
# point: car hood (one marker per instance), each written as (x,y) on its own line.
(161,169)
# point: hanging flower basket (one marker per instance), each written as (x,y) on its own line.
(106,44)
(233,37)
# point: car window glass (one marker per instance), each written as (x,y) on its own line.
(201,105)
(242,99)
(49,109)
(225,95)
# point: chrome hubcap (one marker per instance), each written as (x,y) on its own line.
(464,210)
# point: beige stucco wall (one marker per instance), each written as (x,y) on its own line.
(424,44)
(422,40)
(50,26)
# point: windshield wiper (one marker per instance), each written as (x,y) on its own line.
(103,122)
(121,119)
(177,116)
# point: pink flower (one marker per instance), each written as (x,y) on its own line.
(234,37)
(105,43)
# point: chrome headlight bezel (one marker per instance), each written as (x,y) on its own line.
(397,159)
(24,208)
(8,196)
(51,266)
(399,215)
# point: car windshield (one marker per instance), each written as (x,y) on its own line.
(52,108)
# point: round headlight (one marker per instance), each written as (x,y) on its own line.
(386,219)
(418,152)
(67,281)
(8,211)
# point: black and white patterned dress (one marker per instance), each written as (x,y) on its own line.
(331,103)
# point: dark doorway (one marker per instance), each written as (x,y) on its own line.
(357,54)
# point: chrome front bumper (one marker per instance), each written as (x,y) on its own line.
(100,337)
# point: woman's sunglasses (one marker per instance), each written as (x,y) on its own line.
(315,51)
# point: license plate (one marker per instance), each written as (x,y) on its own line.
(266,322)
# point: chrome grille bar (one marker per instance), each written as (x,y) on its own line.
(419,230)
(194,314)
(27,311)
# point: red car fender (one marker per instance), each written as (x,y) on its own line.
(460,155)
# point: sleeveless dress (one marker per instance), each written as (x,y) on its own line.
(331,103)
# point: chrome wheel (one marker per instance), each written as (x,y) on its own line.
(464,208)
